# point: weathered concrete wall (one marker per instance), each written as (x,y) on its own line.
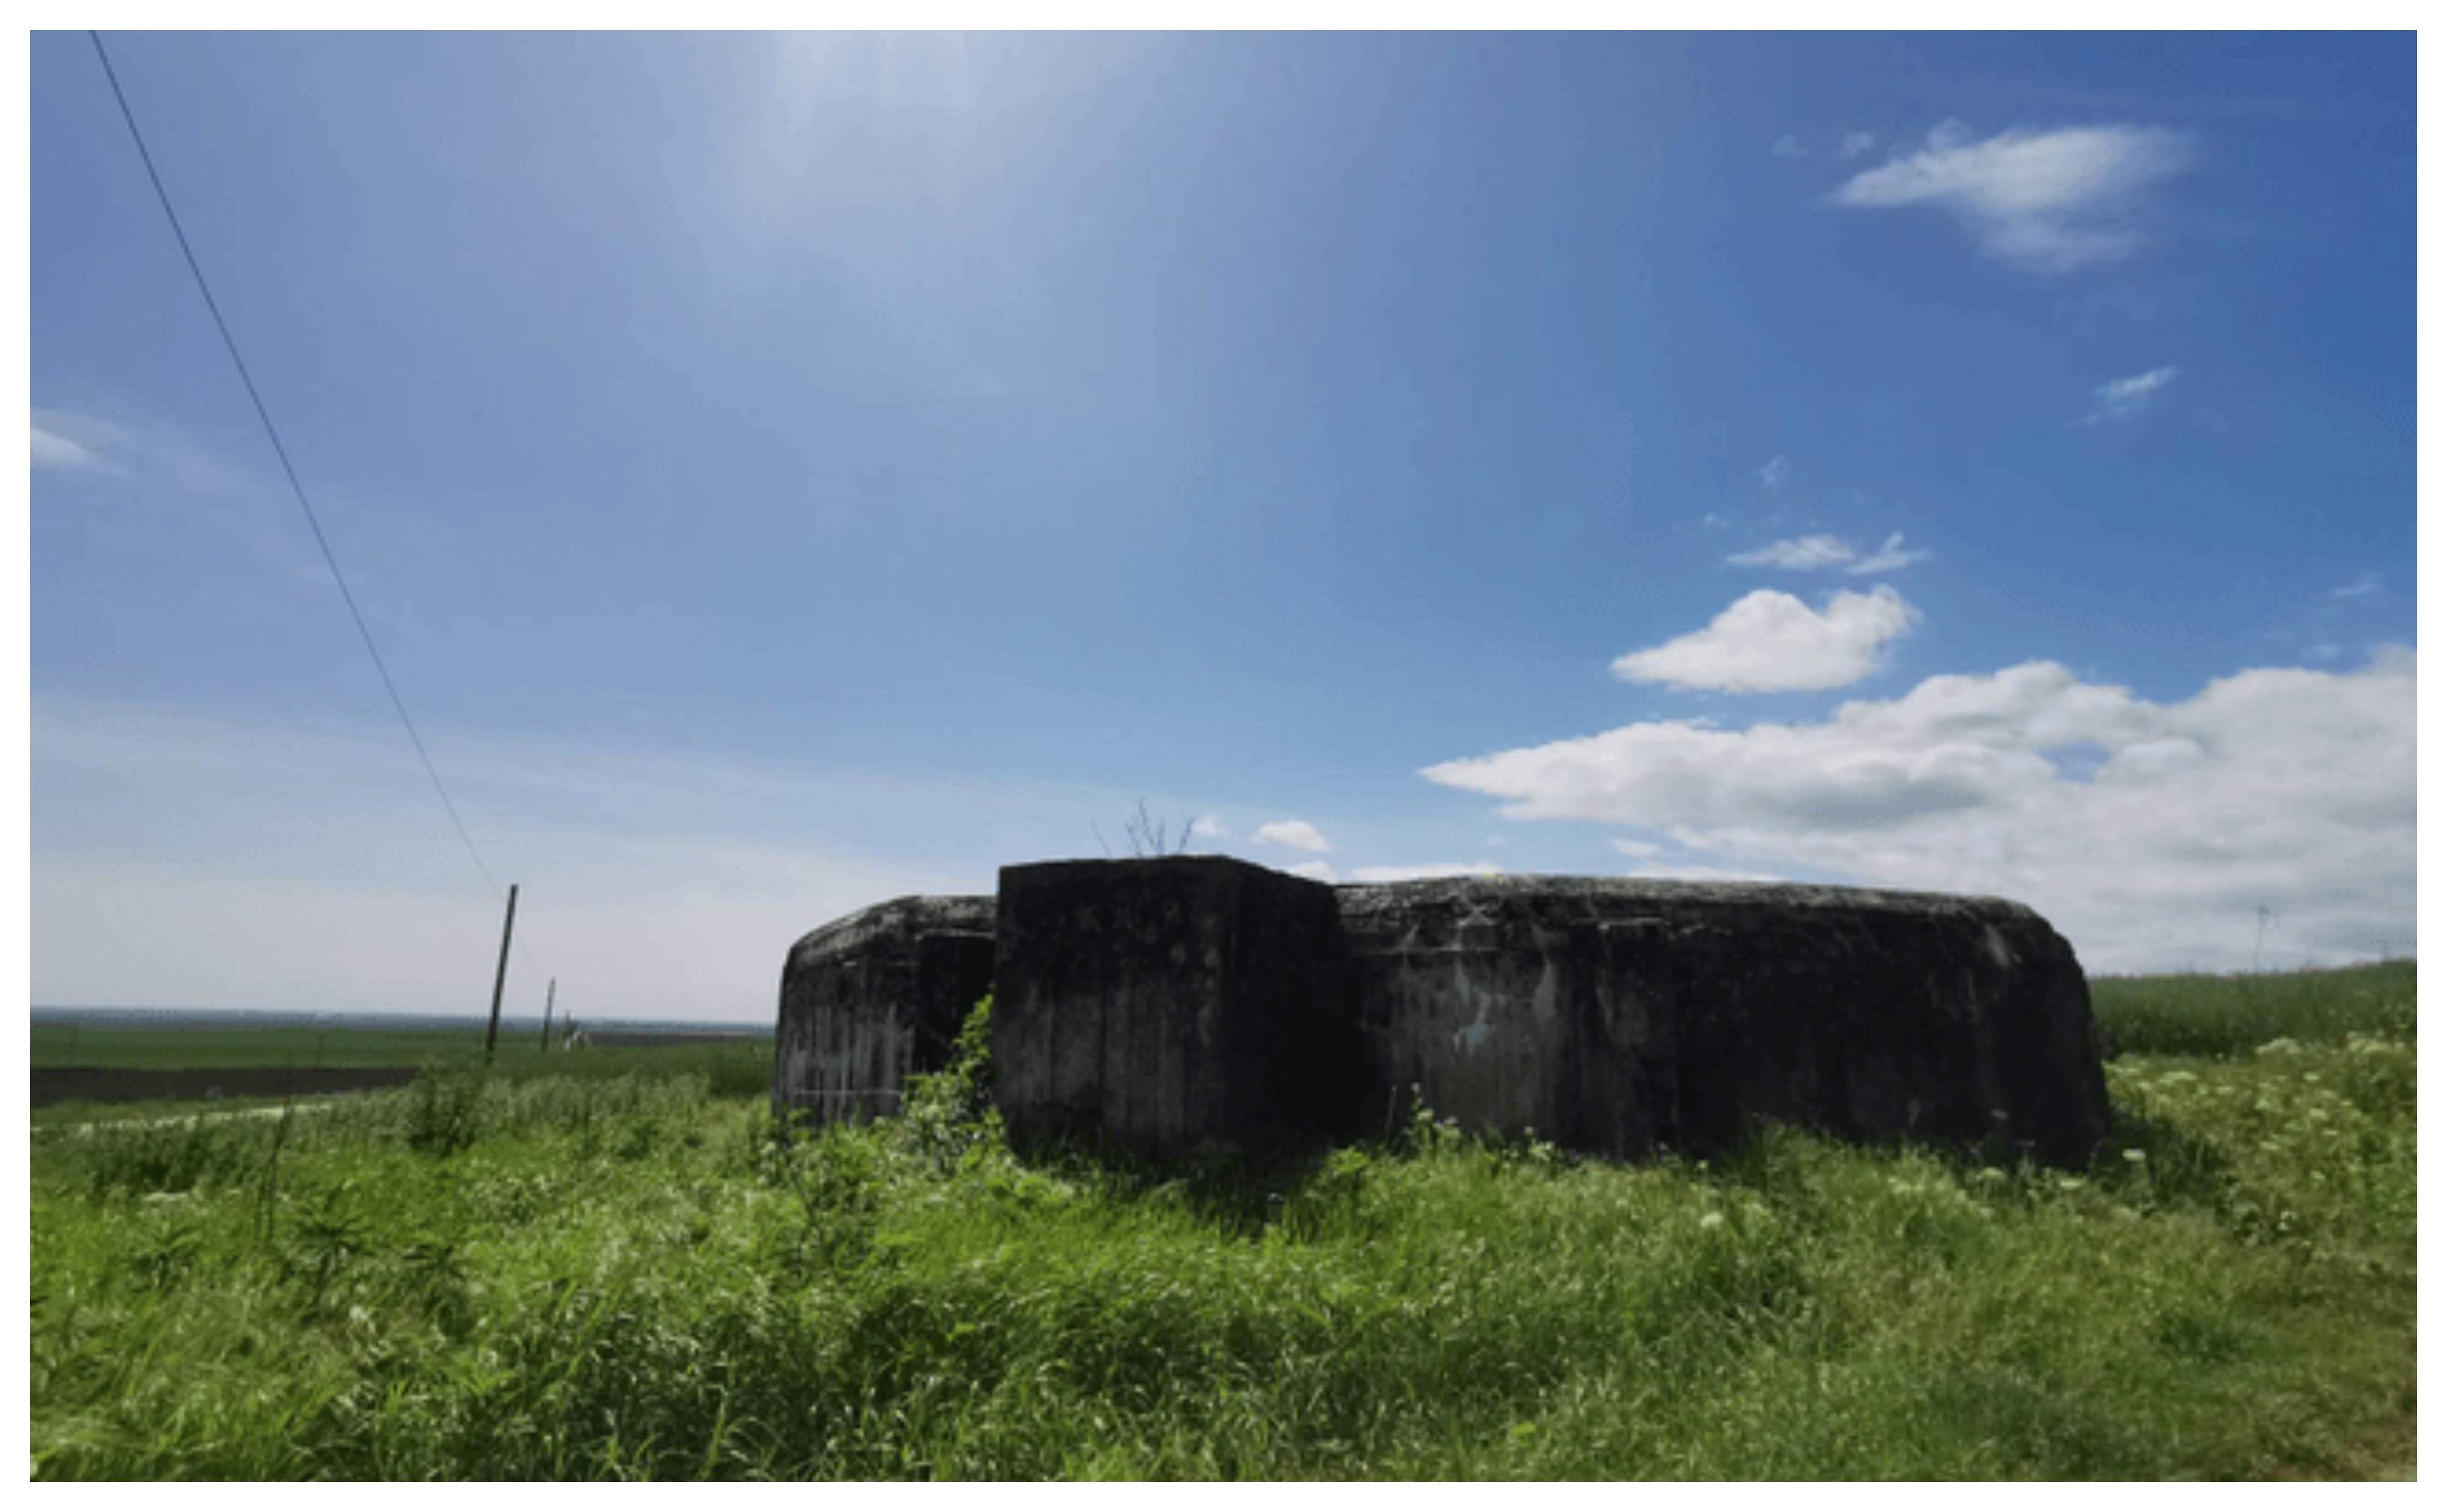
(1169,1003)
(870,1000)
(1616,1015)
(1164,1004)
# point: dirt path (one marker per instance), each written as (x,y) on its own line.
(317,1106)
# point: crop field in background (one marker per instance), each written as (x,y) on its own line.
(620,1268)
(2234,1016)
(86,1073)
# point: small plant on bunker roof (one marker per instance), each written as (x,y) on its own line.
(1148,837)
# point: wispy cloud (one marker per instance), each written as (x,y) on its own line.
(66,439)
(1801,553)
(1425,870)
(2278,787)
(58,452)
(2126,398)
(1889,557)
(2049,201)
(1297,833)
(1324,871)
(1700,872)
(1771,642)
(1805,554)
(169,481)
(1649,860)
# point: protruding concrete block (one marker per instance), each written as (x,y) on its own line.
(1169,1003)
(1619,1014)
(870,1000)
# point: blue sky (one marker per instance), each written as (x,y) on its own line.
(787,472)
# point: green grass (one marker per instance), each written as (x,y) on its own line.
(2234,1016)
(635,1277)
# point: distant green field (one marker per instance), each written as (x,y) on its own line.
(85,1071)
(2235,1015)
(154,1048)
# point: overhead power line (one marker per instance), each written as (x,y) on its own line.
(291,472)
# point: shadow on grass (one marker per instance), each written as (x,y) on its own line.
(2179,1168)
(1238,1191)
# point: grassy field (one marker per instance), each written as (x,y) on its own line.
(633,1275)
(155,1046)
(2228,1016)
(88,1073)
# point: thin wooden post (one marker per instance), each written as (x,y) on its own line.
(494,1028)
(550,988)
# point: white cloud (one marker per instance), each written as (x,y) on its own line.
(59,453)
(1855,143)
(1771,642)
(1412,874)
(2050,202)
(2284,788)
(1890,557)
(176,484)
(149,451)
(1689,871)
(1787,145)
(1322,870)
(2125,398)
(1297,833)
(1805,554)
(1208,827)
(1801,553)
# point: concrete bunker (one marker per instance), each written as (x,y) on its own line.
(875,998)
(1167,1004)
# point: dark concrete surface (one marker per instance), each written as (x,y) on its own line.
(870,1000)
(1170,1003)
(1620,1014)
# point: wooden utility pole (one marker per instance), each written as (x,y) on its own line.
(494,1028)
(550,988)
